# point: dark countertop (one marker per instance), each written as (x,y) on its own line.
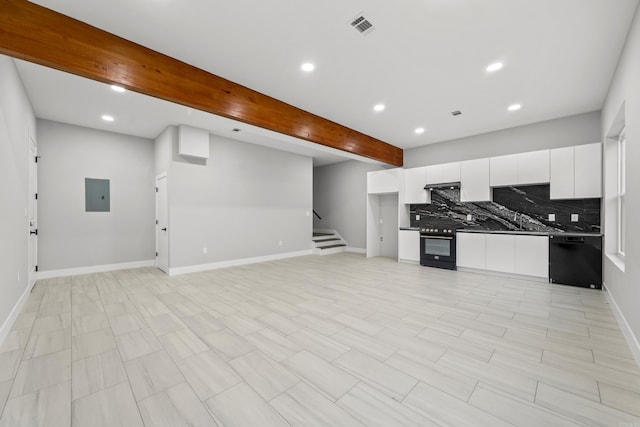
(410,228)
(527,232)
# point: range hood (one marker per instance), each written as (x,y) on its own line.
(442,186)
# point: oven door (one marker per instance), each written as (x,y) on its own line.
(438,251)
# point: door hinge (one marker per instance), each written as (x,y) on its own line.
(156,189)
(156,253)
(36,196)
(156,222)
(36,158)
(36,268)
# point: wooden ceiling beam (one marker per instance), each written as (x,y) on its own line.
(40,35)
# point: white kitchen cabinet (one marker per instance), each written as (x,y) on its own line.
(414,182)
(576,172)
(501,253)
(532,255)
(409,245)
(471,250)
(383,181)
(561,173)
(474,181)
(503,170)
(533,167)
(446,172)
(588,171)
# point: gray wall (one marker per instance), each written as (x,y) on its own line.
(340,198)
(241,203)
(624,286)
(563,132)
(17,120)
(69,237)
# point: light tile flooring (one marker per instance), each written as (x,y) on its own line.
(338,340)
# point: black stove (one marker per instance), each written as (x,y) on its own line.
(438,248)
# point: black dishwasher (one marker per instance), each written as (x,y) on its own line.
(576,259)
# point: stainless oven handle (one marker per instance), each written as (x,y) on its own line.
(437,237)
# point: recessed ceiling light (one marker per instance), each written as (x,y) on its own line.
(495,67)
(379,107)
(107,118)
(514,107)
(118,89)
(236,129)
(308,67)
(419,130)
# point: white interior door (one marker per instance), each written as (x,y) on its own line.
(33,209)
(162,224)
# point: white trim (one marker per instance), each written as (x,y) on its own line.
(49,274)
(235,262)
(631,339)
(616,260)
(11,319)
(356,250)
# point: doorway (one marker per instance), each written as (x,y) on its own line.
(162,224)
(382,225)
(33,209)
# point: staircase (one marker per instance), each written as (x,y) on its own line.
(327,242)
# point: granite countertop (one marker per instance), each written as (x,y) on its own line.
(410,228)
(527,232)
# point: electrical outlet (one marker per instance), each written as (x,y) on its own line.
(574,217)
(18,276)
(469,217)
(204,250)
(552,217)
(381,239)
(279,242)
(417,217)
(308,213)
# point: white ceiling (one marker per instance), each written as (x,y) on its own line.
(424,59)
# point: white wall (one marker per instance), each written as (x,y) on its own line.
(241,203)
(17,121)
(624,286)
(562,132)
(340,198)
(69,237)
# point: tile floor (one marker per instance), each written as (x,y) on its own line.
(337,340)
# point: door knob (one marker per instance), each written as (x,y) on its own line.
(164,229)
(34,232)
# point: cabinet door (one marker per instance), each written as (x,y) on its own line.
(533,167)
(588,171)
(409,245)
(414,182)
(434,174)
(503,170)
(532,256)
(383,181)
(451,172)
(474,181)
(471,250)
(561,173)
(501,253)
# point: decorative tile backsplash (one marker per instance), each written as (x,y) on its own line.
(513,208)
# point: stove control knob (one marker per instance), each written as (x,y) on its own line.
(436,230)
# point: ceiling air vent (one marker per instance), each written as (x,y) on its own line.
(362,24)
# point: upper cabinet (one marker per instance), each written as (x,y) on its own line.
(439,174)
(414,182)
(520,169)
(383,181)
(474,181)
(576,172)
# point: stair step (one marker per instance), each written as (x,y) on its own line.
(331,239)
(322,234)
(332,246)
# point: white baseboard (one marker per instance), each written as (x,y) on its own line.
(235,262)
(11,319)
(356,250)
(632,340)
(49,274)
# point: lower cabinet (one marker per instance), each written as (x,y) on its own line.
(471,250)
(505,253)
(409,245)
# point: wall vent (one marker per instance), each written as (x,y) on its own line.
(456,113)
(362,24)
